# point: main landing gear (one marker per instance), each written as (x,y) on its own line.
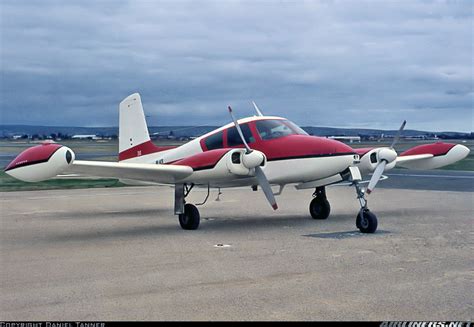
(319,208)
(190,218)
(188,213)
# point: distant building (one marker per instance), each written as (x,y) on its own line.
(85,137)
(351,139)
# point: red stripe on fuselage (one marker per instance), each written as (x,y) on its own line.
(203,160)
(141,150)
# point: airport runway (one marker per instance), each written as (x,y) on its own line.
(119,254)
(436,179)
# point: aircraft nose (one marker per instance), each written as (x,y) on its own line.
(334,147)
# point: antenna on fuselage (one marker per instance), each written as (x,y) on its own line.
(259,113)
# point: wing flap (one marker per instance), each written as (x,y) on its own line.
(167,174)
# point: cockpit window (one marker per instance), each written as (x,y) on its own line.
(233,137)
(295,128)
(273,129)
(214,141)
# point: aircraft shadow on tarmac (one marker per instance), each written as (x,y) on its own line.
(346,234)
(111,214)
(231,224)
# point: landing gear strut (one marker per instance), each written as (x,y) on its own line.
(188,214)
(366,221)
(319,208)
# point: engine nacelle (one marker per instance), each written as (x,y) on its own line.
(218,165)
(41,162)
(370,160)
(234,163)
(443,154)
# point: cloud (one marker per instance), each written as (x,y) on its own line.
(328,63)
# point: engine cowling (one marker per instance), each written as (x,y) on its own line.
(243,164)
(41,162)
(371,159)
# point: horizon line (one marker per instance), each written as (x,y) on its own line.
(197,126)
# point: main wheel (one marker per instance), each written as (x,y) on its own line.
(190,218)
(319,208)
(367,223)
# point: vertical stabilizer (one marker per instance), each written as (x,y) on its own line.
(133,130)
(134,140)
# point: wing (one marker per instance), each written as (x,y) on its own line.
(210,167)
(166,174)
(401,160)
(47,161)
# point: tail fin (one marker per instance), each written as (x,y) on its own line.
(134,140)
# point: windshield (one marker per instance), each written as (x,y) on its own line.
(273,128)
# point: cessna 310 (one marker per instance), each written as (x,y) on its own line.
(257,151)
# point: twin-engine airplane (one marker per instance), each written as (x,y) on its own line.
(257,151)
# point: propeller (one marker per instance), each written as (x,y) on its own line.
(259,113)
(253,159)
(386,156)
(397,137)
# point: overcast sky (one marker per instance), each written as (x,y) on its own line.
(323,63)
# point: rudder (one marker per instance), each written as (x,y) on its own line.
(134,139)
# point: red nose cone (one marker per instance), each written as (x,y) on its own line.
(34,155)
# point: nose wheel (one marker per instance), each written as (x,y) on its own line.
(319,208)
(366,221)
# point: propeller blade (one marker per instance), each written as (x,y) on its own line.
(259,174)
(265,186)
(237,126)
(376,176)
(397,137)
(259,113)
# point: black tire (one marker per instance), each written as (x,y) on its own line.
(367,225)
(319,208)
(190,218)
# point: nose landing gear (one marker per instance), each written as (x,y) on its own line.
(366,221)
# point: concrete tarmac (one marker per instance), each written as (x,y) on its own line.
(119,254)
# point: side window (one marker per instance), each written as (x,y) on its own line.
(233,138)
(214,141)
